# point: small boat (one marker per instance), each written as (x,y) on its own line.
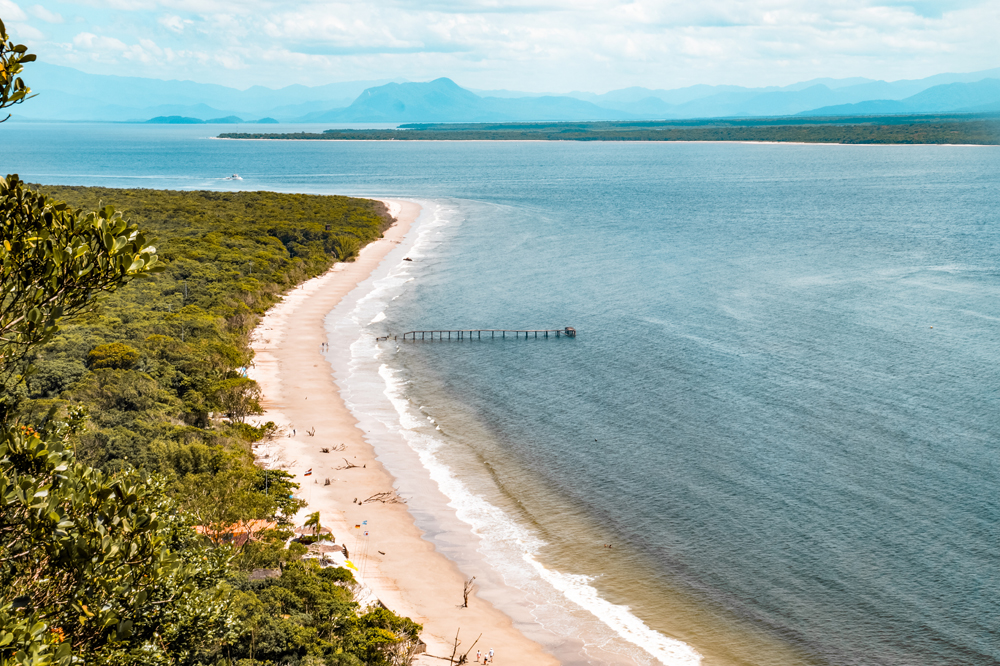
(235,176)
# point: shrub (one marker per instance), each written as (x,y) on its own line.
(239,398)
(116,355)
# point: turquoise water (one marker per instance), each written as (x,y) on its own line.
(781,406)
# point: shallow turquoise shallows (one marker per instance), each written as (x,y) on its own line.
(782,404)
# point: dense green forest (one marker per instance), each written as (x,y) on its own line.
(977,129)
(155,358)
(126,404)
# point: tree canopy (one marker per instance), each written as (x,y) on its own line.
(54,261)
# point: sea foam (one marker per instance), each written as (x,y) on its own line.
(611,633)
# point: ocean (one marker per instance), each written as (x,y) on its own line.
(779,411)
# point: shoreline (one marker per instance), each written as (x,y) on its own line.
(765,143)
(300,394)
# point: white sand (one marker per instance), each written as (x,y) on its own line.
(412,578)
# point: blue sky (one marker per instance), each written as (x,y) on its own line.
(555,45)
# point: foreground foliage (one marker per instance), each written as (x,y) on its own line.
(12,58)
(99,565)
(106,569)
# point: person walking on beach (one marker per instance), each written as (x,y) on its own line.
(491,655)
(479,656)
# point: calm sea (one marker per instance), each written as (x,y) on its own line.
(780,411)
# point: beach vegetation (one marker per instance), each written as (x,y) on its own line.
(131,512)
(238,398)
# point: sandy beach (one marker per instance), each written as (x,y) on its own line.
(411,577)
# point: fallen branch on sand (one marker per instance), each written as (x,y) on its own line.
(347,465)
(388,497)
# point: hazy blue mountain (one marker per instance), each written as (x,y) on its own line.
(875,107)
(832,84)
(957,96)
(442,100)
(647,107)
(980,96)
(67,94)
(702,101)
(673,97)
(548,108)
(300,112)
(777,103)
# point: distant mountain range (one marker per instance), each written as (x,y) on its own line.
(67,94)
(979,97)
(228,120)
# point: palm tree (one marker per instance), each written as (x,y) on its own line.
(313,522)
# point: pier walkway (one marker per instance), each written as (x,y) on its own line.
(478,334)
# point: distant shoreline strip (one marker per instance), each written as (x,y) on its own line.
(963,132)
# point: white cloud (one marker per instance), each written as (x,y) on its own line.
(46,15)
(92,42)
(174,23)
(25,32)
(551,45)
(11,12)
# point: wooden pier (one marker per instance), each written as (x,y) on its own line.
(480,333)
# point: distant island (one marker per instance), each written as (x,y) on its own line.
(981,129)
(228,120)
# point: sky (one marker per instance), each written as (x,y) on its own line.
(526,45)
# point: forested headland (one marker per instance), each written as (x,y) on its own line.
(917,129)
(141,427)
(153,360)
